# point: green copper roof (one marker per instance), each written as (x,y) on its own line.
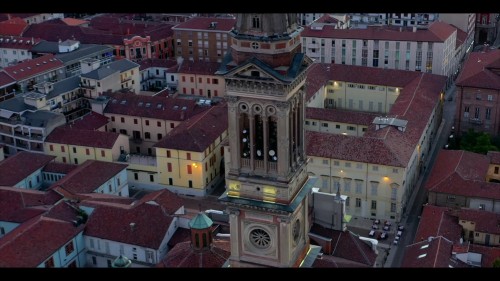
(121,262)
(201,221)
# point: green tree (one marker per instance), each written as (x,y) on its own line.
(496,263)
(477,142)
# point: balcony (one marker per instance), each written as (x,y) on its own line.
(87,87)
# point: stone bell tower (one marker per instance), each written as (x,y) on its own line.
(267,184)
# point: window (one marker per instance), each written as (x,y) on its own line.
(490,97)
(135,121)
(76,161)
(69,248)
(103,153)
(351,128)
(325,161)
(49,263)
(256,22)
(337,126)
(189,169)
(147,135)
(74,149)
(374,168)
(159,136)
(466,111)
(122,119)
(64,159)
(488,114)
(451,198)
(87,151)
(336,163)
(496,170)
(188,156)
(151,178)
(374,188)
(63,149)
(358,202)
(172,125)
(347,185)
(168,153)
(393,207)
(324,125)
(395,170)
(359,186)
(348,165)
(374,205)
(482,206)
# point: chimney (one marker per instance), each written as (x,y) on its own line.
(132,226)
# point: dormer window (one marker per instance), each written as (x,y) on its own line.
(256,22)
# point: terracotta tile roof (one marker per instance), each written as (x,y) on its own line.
(326,18)
(494,157)
(197,133)
(203,23)
(170,201)
(350,148)
(436,255)
(438,221)
(150,224)
(36,66)
(92,121)
(78,180)
(481,70)
(101,198)
(347,245)
(14,19)
(86,35)
(161,108)
(64,135)
(13,27)
(59,168)
(183,255)
(73,21)
(461,37)
(33,242)
(317,76)
(6,80)
(341,116)
(462,173)
(489,254)
(486,222)
(16,168)
(437,32)
(199,67)
(63,211)
(418,97)
(161,63)
(181,235)
(20,43)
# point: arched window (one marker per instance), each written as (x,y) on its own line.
(197,240)
(204,237)
(255,21)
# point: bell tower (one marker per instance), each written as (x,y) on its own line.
(267,184)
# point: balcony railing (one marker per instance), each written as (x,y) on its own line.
(475,121)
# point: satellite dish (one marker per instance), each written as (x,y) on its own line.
(272,152)
(244,131)
(275,158)
(244,140)
(259,153)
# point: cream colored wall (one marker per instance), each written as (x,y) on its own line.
(316,125)
(491,173)
(128,76)
(80,155)
(326,172)
(203,85)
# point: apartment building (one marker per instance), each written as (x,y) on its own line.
(158,74)
(203,38)
(428,49)
(198,78)
(16,49)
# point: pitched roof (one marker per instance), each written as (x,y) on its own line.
(417,99)
(436,32)
(462,173)
(161,108)
(100,73)
(92,121)
(486,222)
(198,132)
(200,221)
(16,168)
(169,201)
(6,80)
(18,43)
(183,255)
(16,104)
(78,180)
(143,224)
(73,21)
(436,253)
(481,70)
(160,63)
(15,28)
(18,205)
(488,254)
(494,157)
(199,67)
(79,137)
(59,168)
(84,51)
(438,221)
(33,242)
(346,245)
(204,23)
(341,116)
(36,66)
(64,86)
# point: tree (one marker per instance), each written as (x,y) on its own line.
(478,142)
(496,262)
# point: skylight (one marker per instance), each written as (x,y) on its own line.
(422,256)
(424,246)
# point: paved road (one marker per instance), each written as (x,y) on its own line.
(412,217)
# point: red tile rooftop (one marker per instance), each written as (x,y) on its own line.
(486,222)
(438,221)
(59,168)
(6,80)
(92,121)
(481,70)
(73,21)
(437,32)
(14,27)
(494,157)
(18,43)
(489,254)
(199,68)
(16,168)
(33,242)
(160,63)
(160,108)
(79,137)
(183,255)
(433,254)
(203,24)
(197,133)
(33,67)
(78,180)
(341,116)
